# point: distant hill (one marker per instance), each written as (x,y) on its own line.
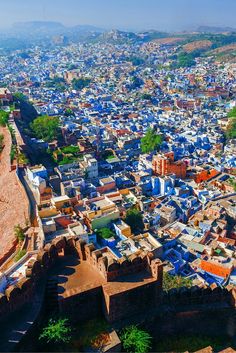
(209,29)
(225,53)
(38,27)
(116,36)
(41,28)
(197,45)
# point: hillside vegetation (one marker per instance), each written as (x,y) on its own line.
(199,44)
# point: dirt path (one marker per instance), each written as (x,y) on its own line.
(13,201)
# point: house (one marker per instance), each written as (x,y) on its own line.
(36,171)
(165,165)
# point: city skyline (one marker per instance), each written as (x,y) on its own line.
(172,15)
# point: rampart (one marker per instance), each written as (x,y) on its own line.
(127,287)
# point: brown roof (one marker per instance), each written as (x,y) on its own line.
(129,282)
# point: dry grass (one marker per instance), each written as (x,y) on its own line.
(200,44)
(170,40)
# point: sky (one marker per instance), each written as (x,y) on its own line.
(122,14)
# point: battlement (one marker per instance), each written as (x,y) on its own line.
(139,275)
(105,261)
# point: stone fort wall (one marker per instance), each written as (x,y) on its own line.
(93,301)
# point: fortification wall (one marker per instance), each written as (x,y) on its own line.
(82,305)
(90,302)
(199,296)
(110,268)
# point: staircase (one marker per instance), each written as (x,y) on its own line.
(51,300)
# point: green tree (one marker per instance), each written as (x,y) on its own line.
(80,83)
(135,340)
(22,159)
(19,255)
(232,113)
(19,233)
(46,127)
(134,219)
(105,233)
(170,282)
(4,116)
(151,141)
(232,181)
(71,150)
(187,59)
(18,96)
(69,112)
(231,128)
(56,331)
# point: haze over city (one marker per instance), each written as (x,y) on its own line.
(172,15)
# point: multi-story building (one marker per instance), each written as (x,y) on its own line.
(165,165)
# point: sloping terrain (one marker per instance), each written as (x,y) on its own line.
(197,45)
(226,53)
(169,40)
(13,200)
(224,49)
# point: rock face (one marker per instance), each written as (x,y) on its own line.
(13,200)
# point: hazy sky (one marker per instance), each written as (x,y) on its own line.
(133,14)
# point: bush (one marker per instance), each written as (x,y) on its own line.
(46,127)
(70,150)
(135,340)
(151,141)
(4,117)
(170,282)
(56,331)
(80,83)
(19,233)
(19,255)
(105,233)
(22,159)
(67,160)
(231,129)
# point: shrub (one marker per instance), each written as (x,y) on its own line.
(56,331)
(151,141)
(19,233)
(135,340)
(170,282)
(4,116)
(46,127)
(19,255)
(105,233)
(80,83)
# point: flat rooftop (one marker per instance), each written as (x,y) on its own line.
(107,180)
(75,276)
(129,282)
(103,203)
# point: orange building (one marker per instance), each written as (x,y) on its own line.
(165,164)
(215,268)
(204,175)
